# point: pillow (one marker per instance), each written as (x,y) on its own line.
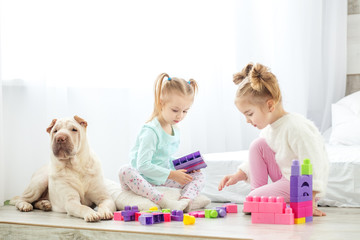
(129,198)
(346,120)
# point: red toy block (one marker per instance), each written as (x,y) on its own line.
(167,217)
(137,215)
(268,218)
(285,218)
(117,216)
(231,208)
(251,204)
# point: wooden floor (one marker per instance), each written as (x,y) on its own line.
(340,223)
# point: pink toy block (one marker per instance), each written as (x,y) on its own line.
(117,216)
(251,204)
(268,218)
(299,212)
(197,214)
(231,208)
(309,211)
(167,217)
(272,205)
(285,218)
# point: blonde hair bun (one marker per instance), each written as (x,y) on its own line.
(240,76)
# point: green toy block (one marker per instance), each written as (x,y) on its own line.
(306,167)
(211,213)
(166,210)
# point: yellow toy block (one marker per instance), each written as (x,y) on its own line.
(188,220)
(153,209)
(299,220)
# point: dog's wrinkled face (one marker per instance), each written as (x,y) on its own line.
(66,136)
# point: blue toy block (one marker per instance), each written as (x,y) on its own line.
(177,215)
(191,162)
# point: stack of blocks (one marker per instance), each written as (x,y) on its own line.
(273,210)
(301,191)
(191,162)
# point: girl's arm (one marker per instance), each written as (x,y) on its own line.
(232,179)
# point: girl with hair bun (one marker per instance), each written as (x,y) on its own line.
(284,137)
(151,157)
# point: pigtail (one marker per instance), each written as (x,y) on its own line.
(157,94)
(194,85)
(240,76)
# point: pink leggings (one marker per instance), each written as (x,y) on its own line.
(131,179)
(262,166)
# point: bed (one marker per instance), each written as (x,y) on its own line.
(343,148)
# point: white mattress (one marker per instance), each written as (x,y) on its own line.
(343,188)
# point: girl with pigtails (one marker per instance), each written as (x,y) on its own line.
(151,157)
(284,137)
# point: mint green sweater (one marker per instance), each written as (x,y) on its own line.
(153,150)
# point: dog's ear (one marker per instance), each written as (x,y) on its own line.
(81,121)
(52,124)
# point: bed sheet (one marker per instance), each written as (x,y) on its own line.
(343,188)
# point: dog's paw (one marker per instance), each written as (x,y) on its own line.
(92,216)
(105,214)
(24,206)
(44,205)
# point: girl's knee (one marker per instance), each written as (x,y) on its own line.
(259,142)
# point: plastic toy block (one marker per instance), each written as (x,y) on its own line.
(137,215)
(221,211)
(158,217)
(306,167)
(117,216)
(211,213)
(299,212)
(271,205)
(251,204)
(146,219)
(166,210)
(153,209)
(231,208)
(188,220)
(299,220)
(257,217)
(177,215)
(128,213)
(309,211)
(309,219)
(193,161)
(167,217)
(285,218)
(197,214)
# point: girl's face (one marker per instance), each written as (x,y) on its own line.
(257,115)
(175,108)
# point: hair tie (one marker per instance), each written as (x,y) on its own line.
(169,78)
(189,82)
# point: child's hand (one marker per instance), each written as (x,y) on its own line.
(180,176)
(232,179)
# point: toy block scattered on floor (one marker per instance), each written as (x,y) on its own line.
(146,219)
(117,216)
(188,220)
(167,217)
(177,215)
(129,213)
(221,211)
(211,213)
(197,214)
(231,208)
(301,191)
(193,161)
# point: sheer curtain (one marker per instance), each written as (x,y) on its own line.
(99,59)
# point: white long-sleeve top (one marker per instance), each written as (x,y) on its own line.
(295,137)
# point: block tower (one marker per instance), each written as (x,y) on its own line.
(301,191)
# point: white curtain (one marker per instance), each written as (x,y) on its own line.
(2,165)
(99,59)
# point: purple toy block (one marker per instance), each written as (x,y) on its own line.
(231,208)
(221,211)
(309,219)
(285,218)
(146,219)
(177,215)
(193,161)
(158,217)
(129,213)
(251,204)
(268,218)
